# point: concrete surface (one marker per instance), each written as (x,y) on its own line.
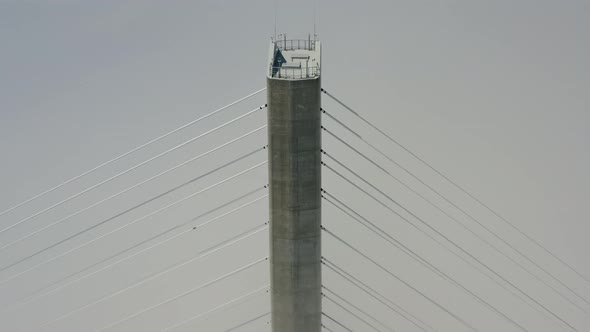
(295,204)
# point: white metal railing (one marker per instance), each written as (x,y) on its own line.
(295,72)
(295,44)
(287,71)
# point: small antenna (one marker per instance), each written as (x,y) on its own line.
(275,40)
(314,20)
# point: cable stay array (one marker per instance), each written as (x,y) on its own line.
(50,289)
(200,255)
(231,303)
(350,304)
(133,208)
(188,292)
(132,187)
(413,255)
(447,240)
(166,207)
(352,313)
(142,146)
(155,231)
(501,279)
(454,219)
(371,292)
(453,243)
(402,281)
(335,321)
(456,185)
(132,168)
(248,322)
(167,199)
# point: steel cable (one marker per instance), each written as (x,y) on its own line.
(327,328)
(250,321)
(335,321)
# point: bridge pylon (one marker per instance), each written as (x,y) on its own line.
(294,138)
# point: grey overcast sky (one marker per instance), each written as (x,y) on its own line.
(493,93)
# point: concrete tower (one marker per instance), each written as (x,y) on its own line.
(294,137)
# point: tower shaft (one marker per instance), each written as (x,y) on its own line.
(294,137)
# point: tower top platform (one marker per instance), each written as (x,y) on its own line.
(294,59)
